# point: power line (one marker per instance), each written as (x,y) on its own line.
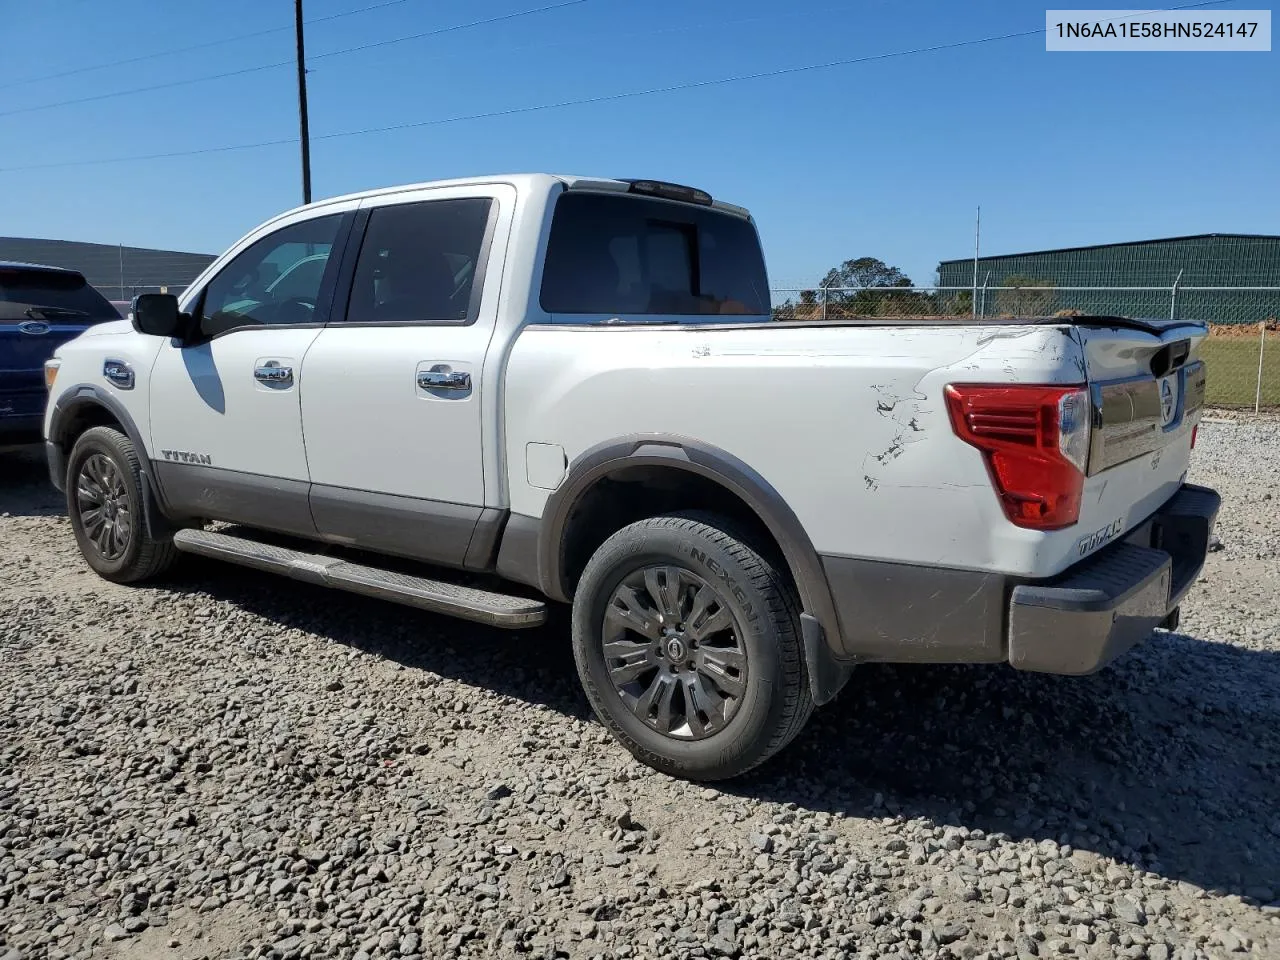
(434,33)
(154,156)
(157,86)
(288,63)
(335,53)
(691,85)
(173,51)
(582,101)
(612,37)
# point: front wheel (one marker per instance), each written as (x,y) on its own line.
(687,644)
(105,504)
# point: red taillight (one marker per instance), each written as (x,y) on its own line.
(1036,442)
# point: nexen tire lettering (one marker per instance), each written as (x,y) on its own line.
(723,576)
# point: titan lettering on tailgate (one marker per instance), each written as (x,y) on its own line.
(1099,537)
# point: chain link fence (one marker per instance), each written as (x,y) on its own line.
(1244,366)
(1242,352)
(124,272)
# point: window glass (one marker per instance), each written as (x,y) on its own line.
(274,281)
(52,296)
(617,254)
(418,262)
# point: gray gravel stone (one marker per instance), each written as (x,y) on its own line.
(167,761)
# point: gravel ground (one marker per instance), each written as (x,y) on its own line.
(234,765)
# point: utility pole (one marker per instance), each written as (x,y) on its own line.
(303,135)
(977,236)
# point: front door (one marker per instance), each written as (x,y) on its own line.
(393,410)
(226,422)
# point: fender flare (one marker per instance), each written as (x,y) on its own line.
(90,395)
(819,624)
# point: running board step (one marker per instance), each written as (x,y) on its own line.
(467,603)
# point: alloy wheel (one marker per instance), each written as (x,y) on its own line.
(674,652)
(103,504)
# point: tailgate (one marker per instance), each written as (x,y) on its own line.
(1147,387)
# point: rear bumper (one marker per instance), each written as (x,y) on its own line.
(1084,618)
(1074,623)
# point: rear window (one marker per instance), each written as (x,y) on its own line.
(619,255)
(50,296)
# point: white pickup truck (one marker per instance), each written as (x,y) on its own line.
(480,396)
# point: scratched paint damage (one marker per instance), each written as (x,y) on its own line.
(1008,333)
(888,404)
(1051,347)
(1048,349)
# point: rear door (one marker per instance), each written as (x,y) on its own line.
(391,398)
(40,308)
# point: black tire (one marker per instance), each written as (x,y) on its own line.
(104,466)
(774,702)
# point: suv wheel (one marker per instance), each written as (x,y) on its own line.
(687,644)
(105,504)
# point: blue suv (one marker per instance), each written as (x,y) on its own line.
(40,308)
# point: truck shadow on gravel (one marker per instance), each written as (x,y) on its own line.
(25,490)
(1168,761)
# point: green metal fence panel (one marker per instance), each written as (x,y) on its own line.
(1212,260)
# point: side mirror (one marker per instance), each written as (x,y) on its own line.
(157,314)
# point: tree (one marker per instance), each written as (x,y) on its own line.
(807,308)
(1023,302)
(865,272)
(863,288)
(869,287)
(958,304)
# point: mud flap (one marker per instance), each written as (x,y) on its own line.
(827,675)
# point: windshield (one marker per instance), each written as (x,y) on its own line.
(51,296)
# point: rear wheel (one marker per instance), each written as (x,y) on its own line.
(105,504)
(687,644)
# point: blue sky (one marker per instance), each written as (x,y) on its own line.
(886,158)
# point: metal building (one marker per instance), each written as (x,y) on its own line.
(1146,278)
(117,271)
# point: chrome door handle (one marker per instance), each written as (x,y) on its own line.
(273,373)
(444,380)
